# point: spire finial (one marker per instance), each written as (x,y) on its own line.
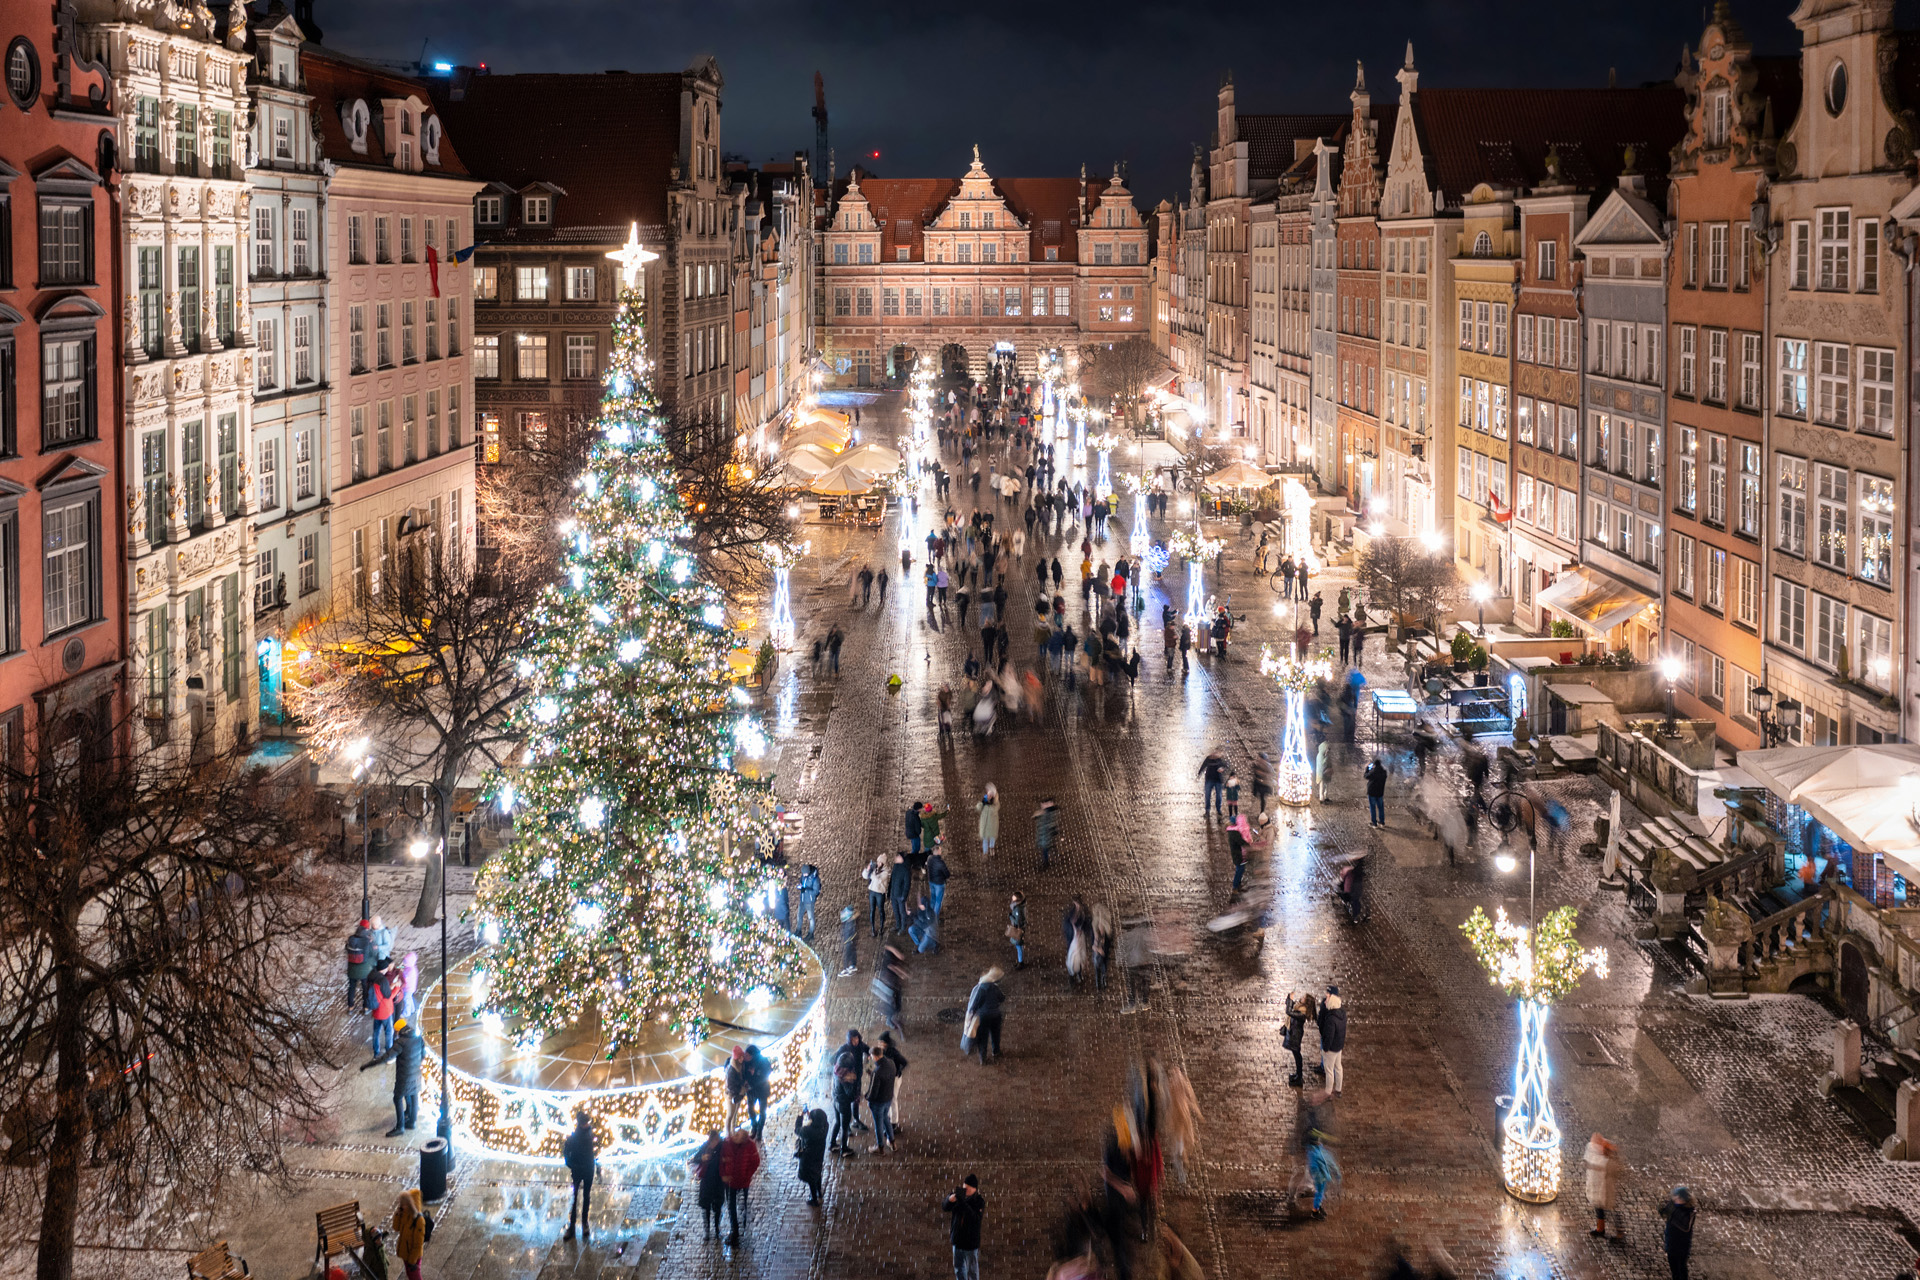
(1408,63)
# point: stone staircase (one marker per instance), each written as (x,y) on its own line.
(1873,1102)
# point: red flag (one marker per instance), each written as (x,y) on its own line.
(433,270)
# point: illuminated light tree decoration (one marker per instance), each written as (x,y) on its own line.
(1104,444)
(1537,967)
(622,906)
(782,556)
(1196,549)
(1293,781)
(1137,543)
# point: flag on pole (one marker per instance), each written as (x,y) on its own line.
(433,270)
(461,255)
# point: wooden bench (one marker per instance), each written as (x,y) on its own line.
(339,1229)
(215,1263)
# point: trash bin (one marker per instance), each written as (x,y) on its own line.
(434,1162)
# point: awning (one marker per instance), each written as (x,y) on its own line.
(1866,795)
(1594,600)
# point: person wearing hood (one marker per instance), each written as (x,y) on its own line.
(759,1072)
(1678,1240)
(1333,1040)
(410,1231)
(985,1005)
(811,1150)
(1603,1181)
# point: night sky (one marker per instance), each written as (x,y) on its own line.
(1126,80)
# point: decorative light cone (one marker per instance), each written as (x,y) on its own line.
(1293,780)
(1529,1138)
(1137,544)
(1198,549)
(782,626)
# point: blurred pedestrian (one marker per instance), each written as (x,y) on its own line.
(938,874)
(849,940)
(1678,1237)
(1603,1182)
(985,1013)
(809,894)
(1046,826)
(410,1231)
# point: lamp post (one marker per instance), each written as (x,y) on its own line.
(363,768)
(420,849)
(1480,593)
(1763,704)
(1670,672)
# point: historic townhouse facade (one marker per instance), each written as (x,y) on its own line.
(1716,279)
(980,269)
(544,292)
(1166,292)
(1323,297)
(1368,478)
(62,595)
(286,269)
(188,372)
(774,335)
(1486,271)
(1614,594)
(1839,345)
(1263,329)
(399,200)
(1190,346)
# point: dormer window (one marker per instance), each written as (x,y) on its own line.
(283,71)
(488,211)
(282,138)
(1719,117)
(536,211)
(406,123)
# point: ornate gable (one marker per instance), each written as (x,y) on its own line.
(1408,190)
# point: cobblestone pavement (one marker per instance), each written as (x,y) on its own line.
(1719,1095)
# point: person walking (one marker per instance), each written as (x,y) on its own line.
(1320,770)
(866,585)
(878,876)
(811,1150)
(1678,1236)
(410,1231)
(1046,827)
(930,824)
(739,1161)
(1017,928)
(989,808)
(359,966)
(1263,781)
(835,637)
(713,1188)
(1376,776)
(849,940)
(937,876)
(1214,770)
(880,580)
(1300,1011)
(899,1061)
(578,1152)
(405,1051)
(967,1208)
(880,1082)
(1286,578)
(1313,611)
(759,1073)
(899,881)
(1332,1022)
(736,1079)
(809,894)
(985,1013)
(1603,1182)
(380,987)
(1102,947)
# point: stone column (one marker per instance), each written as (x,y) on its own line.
(1900,1143)
(1846,1058)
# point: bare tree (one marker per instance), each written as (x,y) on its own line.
(1406,577)
(157,1031)
(1123,371)
(428,669)
(733,507)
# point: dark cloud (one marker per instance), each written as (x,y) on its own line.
(1041,89)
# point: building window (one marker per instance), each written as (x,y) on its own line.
(530,284)
(1792,494)
(580,284)
(192,468)
(1685,488)
(407,351)
(865,254)
(309,563)
(1873,650)
(383,334)
(1836,243)
(1750,371)
(265,376)
(70,563)
(226,443)
(1749,457)
(66,242)
(486,284)
(453,326)
(433,424)
(536,211)
(1717,255)
(1547,265)
(988,250)
(1829,631)
(1800,265)
(530,356)
(889,301)
(487,211)
(1684,374)
(1683,565)
(433,328)
(66,389)
(1748,603)
(382,239)
(1876,390)
(1061,296)
(843,301)
(913,300)
(263,240)
(1716,119)
(302,350)
(1874,526)
(1717,365)
(1830,517)
(1793,378)
(303,464)
(356,239)
(1717,481)
(265,570)
(146,135)
(266,475)
(1831,385)
(840,255)
(1869,256)
(1714,594)
(406,239)
(582,355)
(409,436)
(1790,615)
(486,355)
(302,242)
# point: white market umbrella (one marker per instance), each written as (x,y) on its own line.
(808,460)
(1238,475)
(841,480)
(828,416)
(818,433)
(876,458)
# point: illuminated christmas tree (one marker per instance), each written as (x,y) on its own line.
(624,896)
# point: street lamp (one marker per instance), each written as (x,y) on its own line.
(363,767)
(1670,672)
(1763,703)
(419,849)
(1480,593)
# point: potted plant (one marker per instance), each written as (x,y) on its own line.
(1478,662)
(1463,647)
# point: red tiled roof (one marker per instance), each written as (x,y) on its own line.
(1049,208)
(607,140)
(1271,139)
(335,80)
(1501,136)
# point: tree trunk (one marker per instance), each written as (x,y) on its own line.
(60,1205)
(428,909)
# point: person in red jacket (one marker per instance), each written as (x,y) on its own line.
(739,1161)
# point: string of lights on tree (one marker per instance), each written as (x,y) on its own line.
(1293,781)
(624,894)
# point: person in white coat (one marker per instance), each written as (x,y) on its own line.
(1603,1182)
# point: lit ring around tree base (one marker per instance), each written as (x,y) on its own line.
(646,1100)
(1530,1166)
